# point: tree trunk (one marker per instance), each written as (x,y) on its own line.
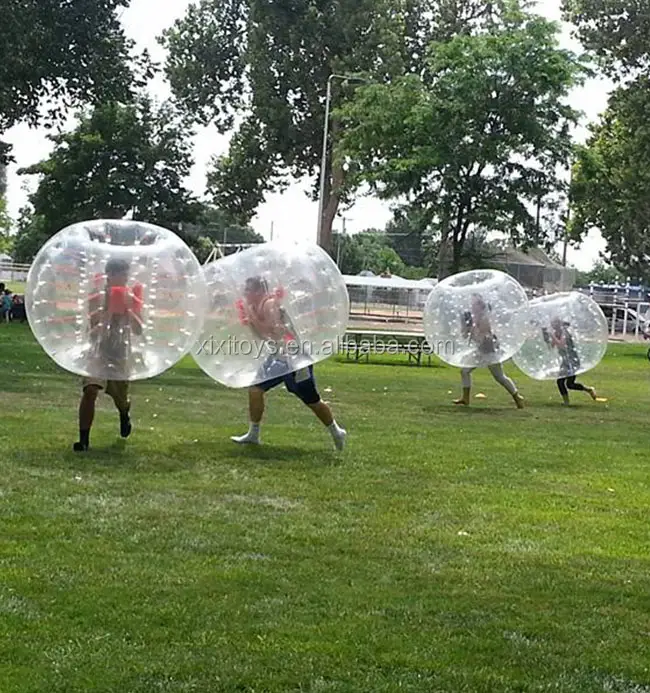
(334,175)
(443,251)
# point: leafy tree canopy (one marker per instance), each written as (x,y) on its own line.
(611,180)
(6,241)
(408,234)
(263,67)
(367,250)
(476,138)
(600,273)
(120,160)
(213,226)
(617,31)
(61,53)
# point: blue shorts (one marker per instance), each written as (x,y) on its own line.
(300,383)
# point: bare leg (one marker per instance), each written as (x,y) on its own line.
(86,416)
(466,379)
(255,413)
(119,392)
(324,414)
(256,405)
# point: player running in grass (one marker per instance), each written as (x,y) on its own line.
(560,338)
(114,315)
(477,328)
(262,311)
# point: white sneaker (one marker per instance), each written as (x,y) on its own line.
(247,439)
(339,438)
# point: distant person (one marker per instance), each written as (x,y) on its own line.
(476,327)
(7,303)
(560,338)
(18,308)
(262,311)
(114,315)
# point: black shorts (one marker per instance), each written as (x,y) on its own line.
(300,383)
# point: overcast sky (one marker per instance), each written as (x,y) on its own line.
(291,214)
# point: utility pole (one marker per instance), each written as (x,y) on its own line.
(323,165)
(340,243)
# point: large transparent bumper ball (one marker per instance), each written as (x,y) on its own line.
(567,335)
(273,309)
(474,319)
(115,299)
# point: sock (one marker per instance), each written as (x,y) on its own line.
(125,424)
(253,435)
(84,441)
(338,434)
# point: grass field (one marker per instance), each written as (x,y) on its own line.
(16,287)
(447,550)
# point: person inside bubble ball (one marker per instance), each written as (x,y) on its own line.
(114,314)
(262,311)
(477,329)
(560,338)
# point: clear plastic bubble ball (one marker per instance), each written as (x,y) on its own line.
(567,335)
(115,299)
(474,319)
(272,309)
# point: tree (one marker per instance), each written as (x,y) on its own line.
(600,273)
(5,227)
(367,250)
(5,221)
(214,226)
(617,32)
(476,139)
(611,180)
(120,160)
(408,233)
(31,235)
(264,66)
(62,53)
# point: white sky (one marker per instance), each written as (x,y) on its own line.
(291,214)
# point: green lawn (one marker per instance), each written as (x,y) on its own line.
(16,287)
(451,550)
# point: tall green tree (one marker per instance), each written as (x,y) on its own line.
(408,234)
(367,250)
(476,139)
(5,221)
(6,241)
(600,273)
(611,180)
(214,227)
(264,66)
(62,53)
(617,31)
(120,160)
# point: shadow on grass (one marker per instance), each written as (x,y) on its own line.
(475,409)
(266,455)
(379,362)
(117,454)
(120,455)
